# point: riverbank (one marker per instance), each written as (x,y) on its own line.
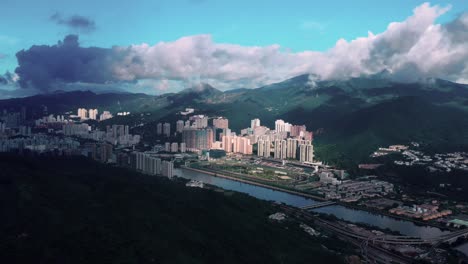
(220,175)
(347,205)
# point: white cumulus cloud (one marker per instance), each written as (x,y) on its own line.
(414,48)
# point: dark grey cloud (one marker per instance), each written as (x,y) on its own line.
(75,22)
(7,78)
(3,80)
(458,28)
(43,66)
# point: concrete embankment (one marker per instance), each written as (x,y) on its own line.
(220,175)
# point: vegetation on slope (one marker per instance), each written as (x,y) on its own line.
(356,116)
(73,210)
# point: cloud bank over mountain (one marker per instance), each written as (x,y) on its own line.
(415,48)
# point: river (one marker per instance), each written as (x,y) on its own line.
(355,216)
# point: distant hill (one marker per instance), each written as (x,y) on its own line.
(355,115)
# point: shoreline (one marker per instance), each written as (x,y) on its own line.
(319,199)
(220,175)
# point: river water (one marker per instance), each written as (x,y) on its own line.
(348,214)
(463,249)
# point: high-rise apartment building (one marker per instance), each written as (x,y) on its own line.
(198,138)
(105,115)
(291,148)
(306,153)
(147,164)
(167,129)
(76,129)
(174,147)
(227,132)
(93,113)
(189,137)
(296,130)
(159,129)
(167,169)
(242,145)
(82,113)
(167,147)
(308,135)
(254,123)
(280,150)
(281,126)
(183,147)
(227,143)
(220,122)
(204,138)
(200,121)
(264,148)
(180,126)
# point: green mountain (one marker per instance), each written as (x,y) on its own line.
(350,117)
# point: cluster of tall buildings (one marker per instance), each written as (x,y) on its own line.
(194,122)
(306,151)
(84,114)
(163,129)
(72,129)
(120,135)
(221,123)
(41,143)
(237,144)
(197,135)
(198,139)
(254,123)
(50,119)
(199,121)
(11,120)
(290,148)
(148,164)
(286,141)
(115,134)
(92,114)
(100,151)
(174,147)
(292,130)
(105,115)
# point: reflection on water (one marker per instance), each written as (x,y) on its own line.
(352,215)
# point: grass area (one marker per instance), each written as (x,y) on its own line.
(256,171)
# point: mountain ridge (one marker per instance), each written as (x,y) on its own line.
(355,116)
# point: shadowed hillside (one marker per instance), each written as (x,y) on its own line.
(72,210)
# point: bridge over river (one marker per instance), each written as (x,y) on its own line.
(386,239)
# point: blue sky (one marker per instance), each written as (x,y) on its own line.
(295,24)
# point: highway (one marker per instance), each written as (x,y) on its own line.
(370,245)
